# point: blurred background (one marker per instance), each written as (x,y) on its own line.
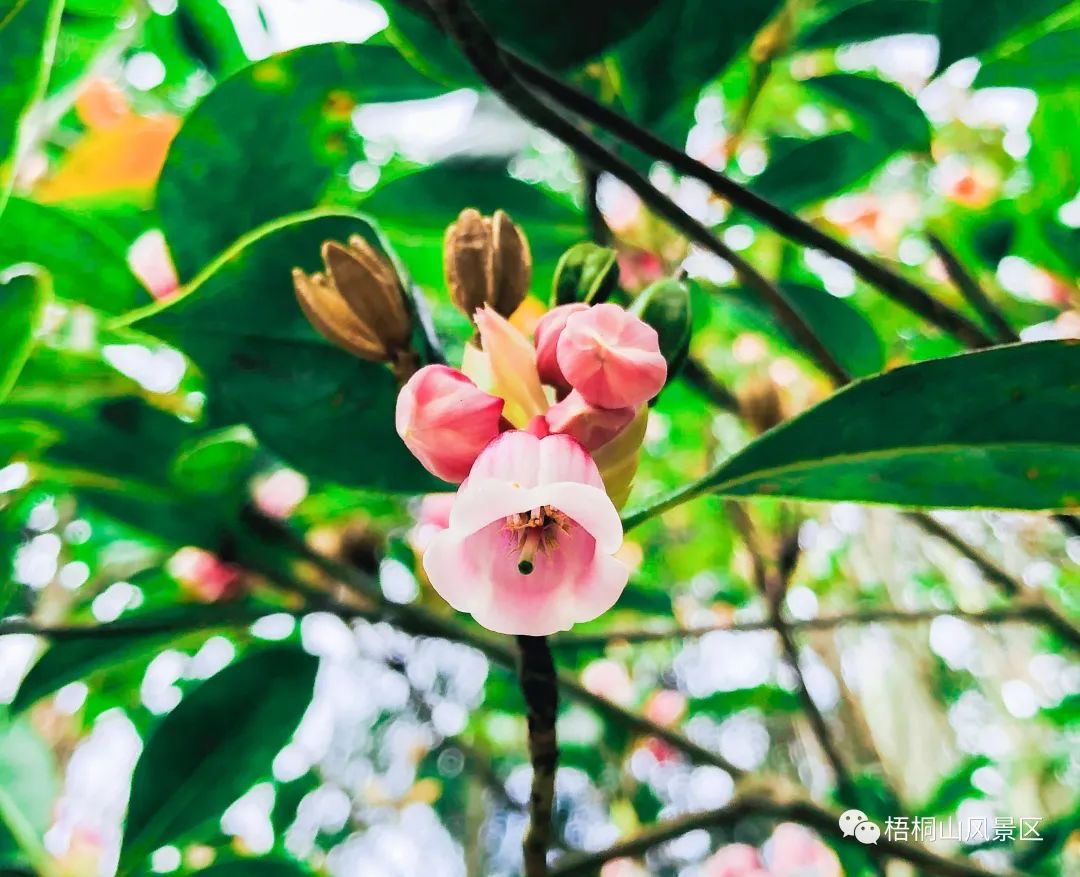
(156,145)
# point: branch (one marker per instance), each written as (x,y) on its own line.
(488,60)
(701,380)
(538,685)
(896,287)
(1018,612)
(973,293)
(778,808)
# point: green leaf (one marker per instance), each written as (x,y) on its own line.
(415,210)
(215,463)
(87,264)
(558,34)
(28,788)
(255,868)
(220,180)
(22,305)
(80,656)
(1051,61)
(881,110)
(969,27)
(802,172)
(318,407)
(954,788)
(213,747)
(869,20)
(999,428)
(28,30)
(665,65)
(767,698)
(206,31)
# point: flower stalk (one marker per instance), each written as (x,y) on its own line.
(539,686)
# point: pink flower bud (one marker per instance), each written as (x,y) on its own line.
(611,357)
(547,335)
(593,427)
(446,420)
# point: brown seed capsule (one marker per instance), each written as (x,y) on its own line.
(487,262)
(359,305)
(761,405)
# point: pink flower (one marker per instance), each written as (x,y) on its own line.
(665,707)
(795,851)
(150,261)
(608,679)
(278,494)
(446,420)
(432,518)
(531,538)
(547,335)
(734,860)
(208,578)
(513,367)
(593,427)
(611,357)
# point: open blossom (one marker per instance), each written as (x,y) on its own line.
(446,420)
(531,540)
(795,851)
(611,357)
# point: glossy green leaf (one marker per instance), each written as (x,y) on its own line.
(880,110)
(802,172)
(87,263)
(213,747)
(22,305)
(215,463)
(1051,61)
(559,34)
(969,27)
(767,698)
(320,408)
(220,180)
(28,789)
(415,210)
(869,20)
(28,31)
(999,428)
(79,657)
(665,65)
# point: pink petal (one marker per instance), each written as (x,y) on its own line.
(589,507)
(563,459)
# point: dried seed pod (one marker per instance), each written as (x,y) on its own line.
(487,262)
(761,404)
(359,305)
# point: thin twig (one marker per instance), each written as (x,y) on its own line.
(778,808)
(701,380)
(973,293)
(488,60)
(897,287)
(540,689)
(1016,613)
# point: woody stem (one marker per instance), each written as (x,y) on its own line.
(539,687)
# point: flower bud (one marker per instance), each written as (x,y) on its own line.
(611,357)
(593,427)
(359,304)
(512,360)
(586,273)
(665,305)
(761,405)
(446,420)
(547,335)
(487,262)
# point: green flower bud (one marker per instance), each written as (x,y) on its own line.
(665,305)
(585,273)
